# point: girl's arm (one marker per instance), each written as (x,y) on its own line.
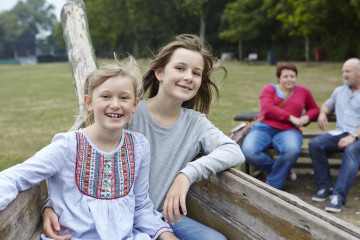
(220,152)
(146,218)
(44,164)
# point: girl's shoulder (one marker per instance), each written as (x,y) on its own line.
(137,137)
(191,114)
(65,137)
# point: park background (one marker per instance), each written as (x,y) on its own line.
(38,101)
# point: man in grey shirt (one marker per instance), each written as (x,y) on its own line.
(345,101)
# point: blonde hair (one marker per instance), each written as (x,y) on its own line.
(202,100)
(103,73)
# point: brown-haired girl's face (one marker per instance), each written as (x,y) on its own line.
(182,75)
(113,102)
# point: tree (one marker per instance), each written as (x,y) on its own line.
(195,8)
(36,15)
(244,19)
(301,18)
(33,14)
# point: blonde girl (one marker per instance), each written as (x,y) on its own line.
(179,86)
(97,176)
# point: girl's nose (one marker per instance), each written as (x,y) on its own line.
(188,75)
(114,103)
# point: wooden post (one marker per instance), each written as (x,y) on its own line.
(79,47)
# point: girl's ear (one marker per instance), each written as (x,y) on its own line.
(159,74)
(135,105)
(88,103)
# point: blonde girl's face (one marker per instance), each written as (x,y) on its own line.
(287,79)
(181,78)
(113,102)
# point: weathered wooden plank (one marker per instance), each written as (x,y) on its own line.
(260,211)
(79,47)
(22,217)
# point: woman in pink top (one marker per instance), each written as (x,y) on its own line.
(282,106)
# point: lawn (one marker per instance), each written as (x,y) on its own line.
(36,102)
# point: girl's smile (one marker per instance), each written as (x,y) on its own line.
(114,115)
(184,87)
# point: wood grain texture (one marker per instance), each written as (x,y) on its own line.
(22,217)
(259,211)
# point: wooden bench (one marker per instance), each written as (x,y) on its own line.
(304,162)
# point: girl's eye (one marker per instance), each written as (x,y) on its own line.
(197,74)
(105,96)
(124,97)
(179,68)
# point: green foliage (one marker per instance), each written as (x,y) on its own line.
(301,17)
(33,14)
(193,7)
(244,19)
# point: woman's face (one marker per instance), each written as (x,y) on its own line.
(287,79)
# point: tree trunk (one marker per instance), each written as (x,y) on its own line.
(240,50)
(202,27)
(135,48)
(307,50)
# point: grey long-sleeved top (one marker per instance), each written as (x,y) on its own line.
(174,148)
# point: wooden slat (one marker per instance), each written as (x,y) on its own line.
(241,207)
(22,217)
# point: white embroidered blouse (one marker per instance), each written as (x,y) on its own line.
(97,195)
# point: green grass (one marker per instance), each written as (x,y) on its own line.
(36,102)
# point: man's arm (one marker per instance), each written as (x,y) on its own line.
(322,118)
(352,137)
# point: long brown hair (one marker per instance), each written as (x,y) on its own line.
(203,98)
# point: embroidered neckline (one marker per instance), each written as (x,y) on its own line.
(104,175)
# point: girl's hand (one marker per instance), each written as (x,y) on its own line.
(51,225)
(167,236)
(175,196)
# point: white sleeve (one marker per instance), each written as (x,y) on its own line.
(220,152)
(332,100)
(44,164)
